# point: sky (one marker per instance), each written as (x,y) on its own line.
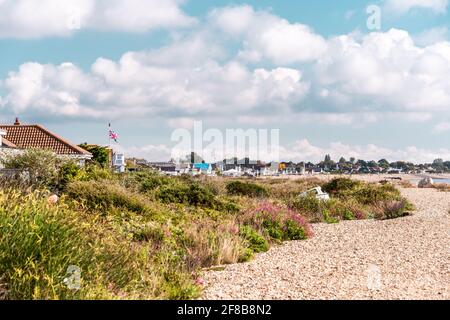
(334,77)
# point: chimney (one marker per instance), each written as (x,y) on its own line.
(17,123)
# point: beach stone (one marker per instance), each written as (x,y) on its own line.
(53,199)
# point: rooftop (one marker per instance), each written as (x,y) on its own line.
(36,136)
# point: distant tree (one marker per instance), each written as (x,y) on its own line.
(372,164)
(352,160)
(383,163)
(447,165)
(327,159)
(361,163)
(438,164)
(100,155)
(342,160)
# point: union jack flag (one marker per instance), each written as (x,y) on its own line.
(113,135)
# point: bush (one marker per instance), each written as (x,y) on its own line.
(191,194)
(340,185)
(363,193)
(40,165)
(105,195)
(153,182)
(95,172)
(372,194)
(279,223)
(238,188)
(392,209)
(256,242)
(309,205)
(68,172)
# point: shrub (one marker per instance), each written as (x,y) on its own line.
(308,205)
(339,185)
(68,172)
(363,193)
(191,194)
(256,242)
(392,209)
(95,172)
(152,182)
(371,194)
(40,165)
(442,187)
(279,223)
(105,195)
(239,188)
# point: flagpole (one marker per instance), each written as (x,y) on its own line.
(109,136)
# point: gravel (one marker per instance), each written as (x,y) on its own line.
(406,258)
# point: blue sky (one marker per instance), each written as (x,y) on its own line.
(311,69)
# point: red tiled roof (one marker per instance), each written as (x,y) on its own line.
(35,136)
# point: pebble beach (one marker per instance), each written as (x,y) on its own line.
(405,258)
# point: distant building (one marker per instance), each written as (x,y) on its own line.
(203,168)
(165,167)
(118,162)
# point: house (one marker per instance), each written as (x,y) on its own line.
(235,172)
(203,168)
(118,162)
(164,167)
(20,136)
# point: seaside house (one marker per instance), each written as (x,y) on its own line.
(203,168)
(164,167)
(20,137)
(118,162)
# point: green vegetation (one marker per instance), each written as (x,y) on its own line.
(100,155)
(239,188)
(145,236)
(353,200)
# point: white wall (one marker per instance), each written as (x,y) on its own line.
(2,133)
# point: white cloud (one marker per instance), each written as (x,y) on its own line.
(346,80)
(441,127)
(35,19)
(136,85)
(403,6)
(267,36)
(385,72)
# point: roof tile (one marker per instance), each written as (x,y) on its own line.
(36,136)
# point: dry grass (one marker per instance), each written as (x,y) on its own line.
(442,187)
